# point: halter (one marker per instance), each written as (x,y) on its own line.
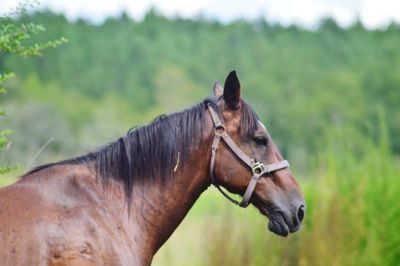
(258,169)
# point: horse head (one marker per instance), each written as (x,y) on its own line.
(247,162)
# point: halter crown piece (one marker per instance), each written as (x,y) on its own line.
(258,169)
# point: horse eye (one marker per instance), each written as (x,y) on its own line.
(260,140)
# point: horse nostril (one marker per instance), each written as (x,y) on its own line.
(300,213)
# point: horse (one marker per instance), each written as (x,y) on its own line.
(119,204)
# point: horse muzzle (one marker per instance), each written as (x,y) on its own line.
(282,222)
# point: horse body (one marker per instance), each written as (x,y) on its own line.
(61,215)
(119,205)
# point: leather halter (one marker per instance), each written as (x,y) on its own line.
(258,169)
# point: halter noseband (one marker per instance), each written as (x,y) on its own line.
(258,168)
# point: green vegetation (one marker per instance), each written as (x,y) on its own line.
(329,97)
(303,84)
(13,39)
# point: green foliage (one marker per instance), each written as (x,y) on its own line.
(12,37)
(303,84)
(3,142)
(4,133)
(12,41)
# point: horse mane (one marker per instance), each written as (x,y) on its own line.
(151,152)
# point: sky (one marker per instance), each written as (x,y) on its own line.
(305,13)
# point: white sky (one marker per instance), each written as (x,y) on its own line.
(373,13)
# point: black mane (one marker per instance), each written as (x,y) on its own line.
(151,151)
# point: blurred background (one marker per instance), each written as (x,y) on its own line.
(323,75)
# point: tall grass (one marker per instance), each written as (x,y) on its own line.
(353,216)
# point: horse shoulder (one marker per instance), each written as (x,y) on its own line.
(57,217)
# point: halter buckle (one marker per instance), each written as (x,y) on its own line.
(258,168)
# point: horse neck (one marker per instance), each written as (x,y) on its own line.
(164,205)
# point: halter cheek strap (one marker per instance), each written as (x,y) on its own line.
(258,169)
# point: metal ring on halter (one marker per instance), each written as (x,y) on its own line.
(258,168)
(219,130)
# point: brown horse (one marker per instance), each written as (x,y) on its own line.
(118,205)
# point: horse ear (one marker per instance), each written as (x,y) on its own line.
(232,91)
(218,90)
